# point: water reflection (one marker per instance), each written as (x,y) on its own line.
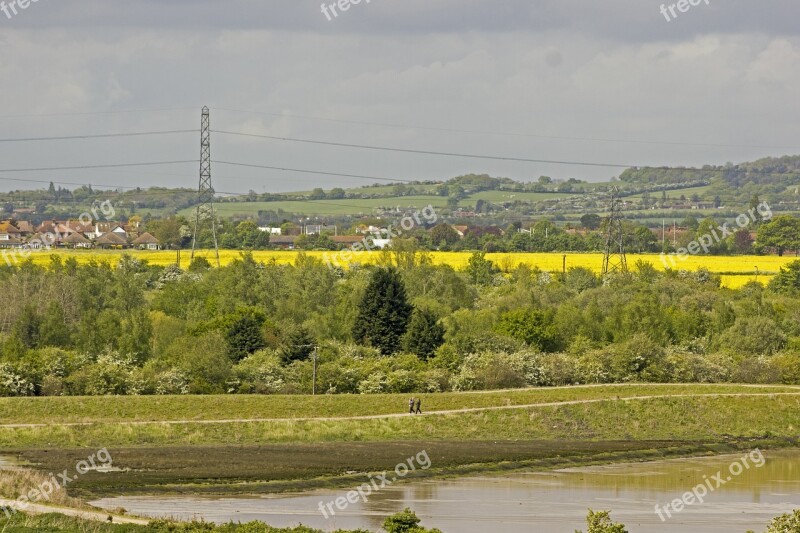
(542,501)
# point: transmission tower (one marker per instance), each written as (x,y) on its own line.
(614,259)
(205,192)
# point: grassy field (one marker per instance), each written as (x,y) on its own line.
(351,206)
(266,444)
(326,207)
(120,409)
(736,270)
(498,197)
(242,420)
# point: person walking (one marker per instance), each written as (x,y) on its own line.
(411,406)
(417,410)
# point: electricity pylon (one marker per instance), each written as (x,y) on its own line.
(205,192)
(614,259)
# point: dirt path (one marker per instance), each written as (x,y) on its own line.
(97,516)
(402,415)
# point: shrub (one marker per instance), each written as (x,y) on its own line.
(600,522)
(753,336)
(488,371)
(786,523)
(405,522)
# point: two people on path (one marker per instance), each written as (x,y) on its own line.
(414,406)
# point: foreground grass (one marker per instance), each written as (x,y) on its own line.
(708,419)
(54,523)
(104,409)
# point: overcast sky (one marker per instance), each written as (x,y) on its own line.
(607,81)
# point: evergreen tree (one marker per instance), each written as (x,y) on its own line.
(54,330)
(383,312)
(424,334)
(244,335)
(26,329)
(298,345)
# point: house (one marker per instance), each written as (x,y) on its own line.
(101,228)
(286,242)
(25,228)
(271,231)
(9,234)
(76,240)
(319,229)
(53,231)
(77,226)
(461,230)
(146,241)
(40,240)
(111,240)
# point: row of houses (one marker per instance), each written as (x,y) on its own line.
(75,234)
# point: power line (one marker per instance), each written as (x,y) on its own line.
(88,167)
(357,176)
(89,113)
(424,152)
(95,136)
(504,134)
(493,157)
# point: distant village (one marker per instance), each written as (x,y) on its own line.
(75,234)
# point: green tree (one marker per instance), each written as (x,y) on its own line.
(444,234)
(383,312)
(480,270)
(754,335)
(250,237)
(781,233)
(531,326)
(26,328)
(591,221)
(337,193)
(245,335)
(788,279)
(54,330)
(742,241)
(167,231)
(199,264)
(424,334)
(691,223)
(315,242)
(298,345)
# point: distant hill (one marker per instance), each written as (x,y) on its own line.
(650,193)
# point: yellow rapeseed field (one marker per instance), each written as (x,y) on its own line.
(735,270)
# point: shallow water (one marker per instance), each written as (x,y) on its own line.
(537,501)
